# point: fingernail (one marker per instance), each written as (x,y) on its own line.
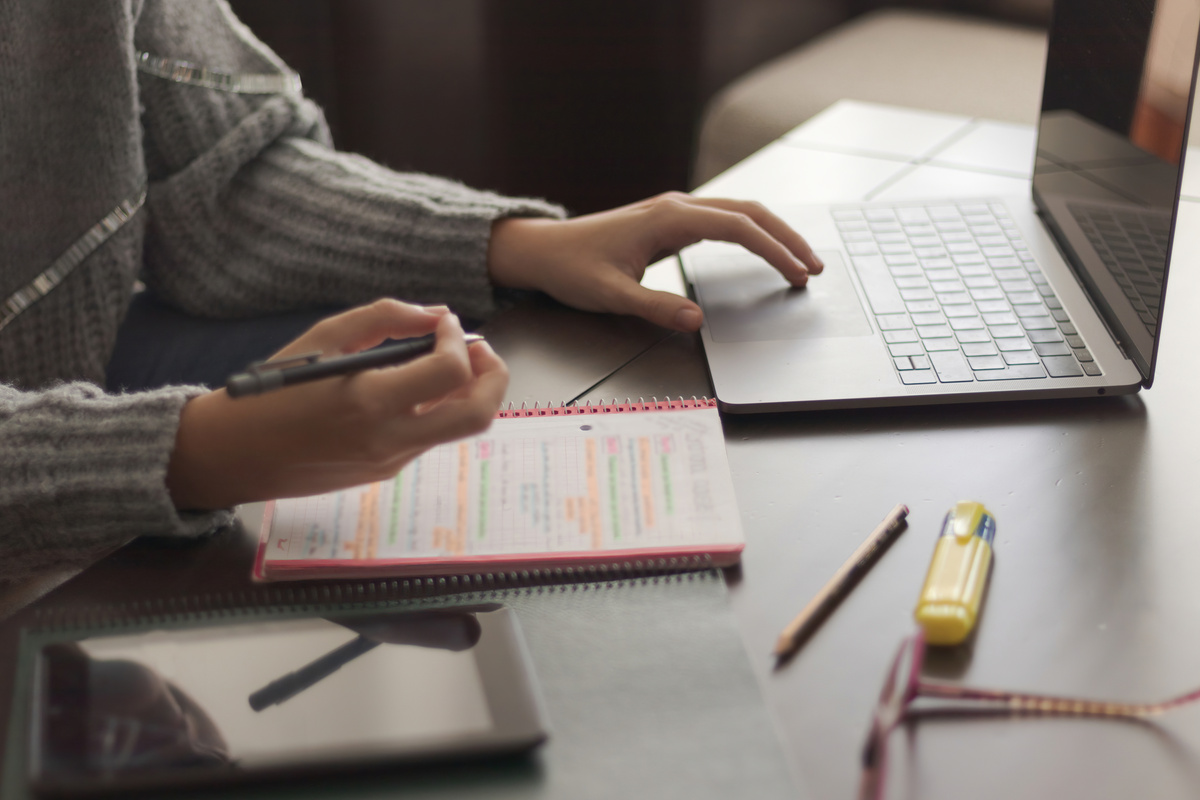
(688,319)
(439,310)
(820,264)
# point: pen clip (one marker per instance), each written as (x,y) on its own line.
(259,367)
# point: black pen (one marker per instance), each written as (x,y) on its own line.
(268,375)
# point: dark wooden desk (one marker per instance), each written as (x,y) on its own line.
(1095,591)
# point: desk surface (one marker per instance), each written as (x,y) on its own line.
(1095,587)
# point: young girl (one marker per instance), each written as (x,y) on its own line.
(157,141)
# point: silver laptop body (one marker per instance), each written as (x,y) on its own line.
(905,311)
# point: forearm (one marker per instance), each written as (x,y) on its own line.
(84,472)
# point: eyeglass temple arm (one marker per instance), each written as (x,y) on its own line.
(1021,703)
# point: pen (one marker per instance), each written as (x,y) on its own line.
(293,683)
(841,583)
(268,375)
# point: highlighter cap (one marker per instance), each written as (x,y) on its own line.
(945,623)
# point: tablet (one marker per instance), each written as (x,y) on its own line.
(284,698)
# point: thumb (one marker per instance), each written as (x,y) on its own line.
(662,308)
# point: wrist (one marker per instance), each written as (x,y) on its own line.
(513,251)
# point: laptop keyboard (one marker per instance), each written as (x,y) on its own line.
(958,297)
(1133,246)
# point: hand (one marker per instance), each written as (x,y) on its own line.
(342,431)
(596,262)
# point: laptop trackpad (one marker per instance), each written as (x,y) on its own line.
(746,300)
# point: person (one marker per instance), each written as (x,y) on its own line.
(158,141)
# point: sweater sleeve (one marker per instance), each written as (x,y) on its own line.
(84,472)
(252,211)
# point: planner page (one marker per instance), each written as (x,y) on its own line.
(655,481)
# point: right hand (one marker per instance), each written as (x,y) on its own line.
(342,431)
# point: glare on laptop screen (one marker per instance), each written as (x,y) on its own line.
(1111,140)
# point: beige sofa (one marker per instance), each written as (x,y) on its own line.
(986,65)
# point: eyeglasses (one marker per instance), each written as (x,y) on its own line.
(904,685)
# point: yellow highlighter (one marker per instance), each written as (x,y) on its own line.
(953,591)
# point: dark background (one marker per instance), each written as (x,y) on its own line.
(589,103)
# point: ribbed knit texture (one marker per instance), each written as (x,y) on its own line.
(249,211)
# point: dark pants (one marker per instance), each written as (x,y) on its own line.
(159,346)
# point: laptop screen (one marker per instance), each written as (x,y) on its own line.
(1111,141)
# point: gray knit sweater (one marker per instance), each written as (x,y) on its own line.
(247,211)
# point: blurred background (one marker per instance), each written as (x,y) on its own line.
(589,103)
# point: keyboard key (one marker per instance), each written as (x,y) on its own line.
(1062,367)
(892,322)
(903,363)
(974,335)
(954,299)
(935,345)
(966,323)
(1075,340)
(962,259)
(891,237)
(978,349)
(922,306)
(928,250)
(879,214)
(879,285)
(895,249)
(901,260)
(921,362)
(1016,286)
(1015,372)
(963,310)
(1024,298)
(1052,349)
(951,367)
(1060,315)
(1021,357)
(944,213)
(934,331)
(924,293)
(978,281)
(910,214)
(996,252)
(1031,311)
(1005,261)
(1068,329)
(946,286)
(976,271)
(1091,368)
(1038,323)
(1007,331)
(911,283)
(991,306)
(895,337)
(1045,336)
(929,318)
(842,214)
(986,362)
(1011,274)
(1083,354)
(906,349)
(937,263)
(918,376)
(941,274)
(861,248)
(990,293)
(1013,345)
(1000,318)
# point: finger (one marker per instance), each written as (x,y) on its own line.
(462,416)
(662,308)
(367,326)
(425,379)
(772,224)
(685,222)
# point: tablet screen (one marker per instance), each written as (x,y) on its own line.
(235,700)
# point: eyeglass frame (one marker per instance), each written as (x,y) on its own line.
(894,707)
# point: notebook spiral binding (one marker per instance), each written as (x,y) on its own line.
(379,594)
(613,407)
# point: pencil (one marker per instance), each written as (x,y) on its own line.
(841,583)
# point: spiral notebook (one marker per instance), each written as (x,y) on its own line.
(551,487)
(647,688)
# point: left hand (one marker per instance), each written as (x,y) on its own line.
(596,262)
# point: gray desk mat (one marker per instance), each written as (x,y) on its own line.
(647,687)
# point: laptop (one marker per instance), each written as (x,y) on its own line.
(1055,294)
